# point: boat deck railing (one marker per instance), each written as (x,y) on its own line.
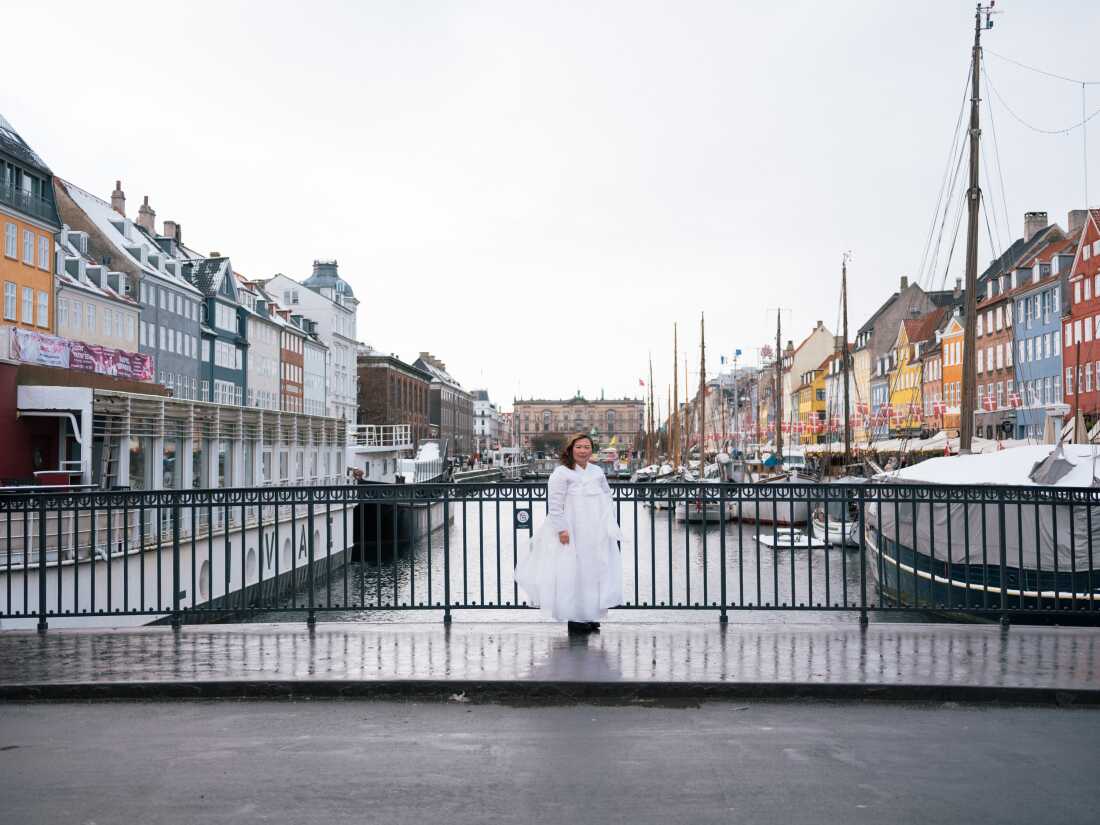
(989,551)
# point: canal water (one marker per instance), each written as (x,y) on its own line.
(666,563)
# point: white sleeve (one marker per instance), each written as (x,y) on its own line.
(555,496)
(603,483)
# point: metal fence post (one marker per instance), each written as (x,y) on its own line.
(311,618)
(1004,553)
(43,625)
(446,557)
(722,617)
(177,618)
(863,558)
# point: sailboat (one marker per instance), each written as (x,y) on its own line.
(705,506)
(1021,533)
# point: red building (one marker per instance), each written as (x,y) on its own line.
(1081,327)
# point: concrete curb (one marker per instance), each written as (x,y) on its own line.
(546,692)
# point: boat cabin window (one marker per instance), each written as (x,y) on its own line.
(225,470)
(198,465)
(137,464)
(249,470)
(170,465)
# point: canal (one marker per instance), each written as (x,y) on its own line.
(666,563)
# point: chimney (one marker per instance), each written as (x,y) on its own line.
(118,199)
(1076,220)
(1034,222)
(820,324)
(174,231)
(958,289)
(146,217)
(904,283)
(214,254)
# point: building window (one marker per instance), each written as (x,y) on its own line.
(9,300)
(43,253)
(28,305)
(28,247)
(90,318)
(11,241)
(43,309)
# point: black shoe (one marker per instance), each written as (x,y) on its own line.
(594,627)
(579,627)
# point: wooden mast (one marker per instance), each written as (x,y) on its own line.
(702,392)
(778,390)
(974,197)
(674,421)
(844,356)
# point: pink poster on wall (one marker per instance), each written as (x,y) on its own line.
(109,361)
(38,348)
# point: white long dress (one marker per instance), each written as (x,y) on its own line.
(578,581)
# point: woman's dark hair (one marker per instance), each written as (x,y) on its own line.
(567,453)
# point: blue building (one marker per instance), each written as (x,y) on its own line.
(1041,289)
(224,345)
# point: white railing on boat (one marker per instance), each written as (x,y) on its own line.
(381,436)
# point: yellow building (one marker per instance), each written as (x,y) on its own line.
(907,375)
(811,406)
(28,223)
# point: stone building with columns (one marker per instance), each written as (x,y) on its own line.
(607,419)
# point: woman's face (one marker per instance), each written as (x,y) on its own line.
(582,450)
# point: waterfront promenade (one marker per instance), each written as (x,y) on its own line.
(537,661)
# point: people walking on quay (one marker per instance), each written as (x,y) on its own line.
(574,570)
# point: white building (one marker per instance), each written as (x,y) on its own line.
(262,361)
(486,422)
(327,299)
(93,303)
(316,363)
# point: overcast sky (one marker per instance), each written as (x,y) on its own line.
(535,192)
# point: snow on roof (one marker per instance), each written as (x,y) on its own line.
(128,237)
(209,273)
(12,143)
(83,282)
(1007,467)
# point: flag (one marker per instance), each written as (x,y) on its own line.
(862,407)
(721,359)
(641,383)
(737,353)
(989,403)
(939,408)
(1014,400)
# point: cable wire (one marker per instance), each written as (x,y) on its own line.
(1041,71)
(1064,131)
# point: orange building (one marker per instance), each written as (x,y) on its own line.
(28,224)
(951,342)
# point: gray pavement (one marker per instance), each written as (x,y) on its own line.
(329,762)
(884,655)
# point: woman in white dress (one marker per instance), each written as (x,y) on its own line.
(574,570)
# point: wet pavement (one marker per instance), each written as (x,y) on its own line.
(323,762)
(979,656)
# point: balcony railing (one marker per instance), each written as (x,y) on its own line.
(40,208)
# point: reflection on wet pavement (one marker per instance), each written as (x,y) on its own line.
(694,652)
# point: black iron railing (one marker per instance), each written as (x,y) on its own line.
(181,556)
(41,208)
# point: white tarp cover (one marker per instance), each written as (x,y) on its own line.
(1042,523)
